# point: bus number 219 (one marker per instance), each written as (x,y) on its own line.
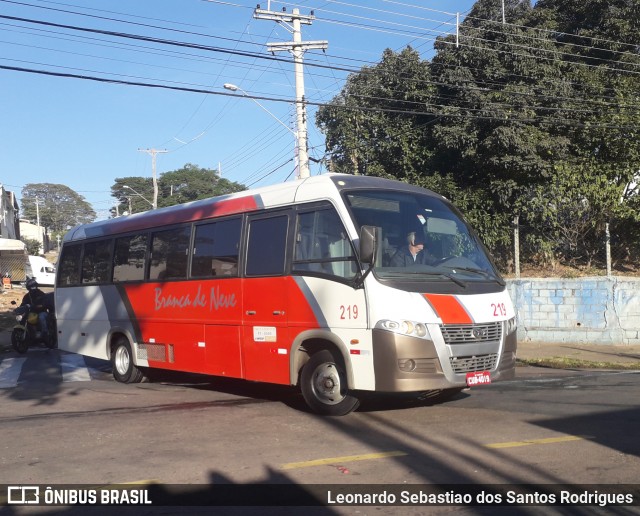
(349,312)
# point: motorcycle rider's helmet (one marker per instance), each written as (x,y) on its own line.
(31,284)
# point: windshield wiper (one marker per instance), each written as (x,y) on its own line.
(425,273)
(455,280)
(482,272)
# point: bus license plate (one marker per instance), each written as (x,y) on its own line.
(478,378)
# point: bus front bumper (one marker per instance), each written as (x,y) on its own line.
(411,364)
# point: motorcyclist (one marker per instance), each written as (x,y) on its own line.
(38,301)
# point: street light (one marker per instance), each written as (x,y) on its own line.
(303,164)
(233,87)
(139,194)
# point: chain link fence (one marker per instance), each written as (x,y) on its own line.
(14,265)
(597,251)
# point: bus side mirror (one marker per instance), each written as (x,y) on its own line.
(369,241)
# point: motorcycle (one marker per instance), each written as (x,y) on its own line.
(27,332)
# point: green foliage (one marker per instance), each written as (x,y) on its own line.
(33,246)
(59,207)
(190,183)
(134,194)
(365,140)
(537,118)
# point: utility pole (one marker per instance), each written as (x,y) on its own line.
(37,211)
(297,48)
(152,153)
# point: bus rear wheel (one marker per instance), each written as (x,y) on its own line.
(124,370)
(324,386)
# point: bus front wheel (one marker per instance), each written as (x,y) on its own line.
(324,385)
(124,370)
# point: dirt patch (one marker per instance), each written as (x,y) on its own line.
(7,319)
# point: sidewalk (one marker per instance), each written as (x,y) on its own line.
(622,355)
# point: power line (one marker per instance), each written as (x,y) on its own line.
(338,106)
(105,18)
(475,85)
(204,47)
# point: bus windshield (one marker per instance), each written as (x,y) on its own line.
(421,237)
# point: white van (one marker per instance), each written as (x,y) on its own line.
(42,270)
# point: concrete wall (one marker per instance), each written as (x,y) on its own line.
(594,310)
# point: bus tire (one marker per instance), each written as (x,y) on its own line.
(324,385)
(124,370)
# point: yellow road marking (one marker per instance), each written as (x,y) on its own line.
(529,442)
(349,458)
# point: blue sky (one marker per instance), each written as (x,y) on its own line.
(84,133)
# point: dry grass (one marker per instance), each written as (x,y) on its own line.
(564,271)
(573,363)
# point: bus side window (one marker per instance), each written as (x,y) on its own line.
(322,245)
(129,258)
(267,246)
(170,254)
(69,269)
(215,249)
(96,262)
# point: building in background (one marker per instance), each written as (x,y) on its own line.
(35,232)
(9,212)
(13,252)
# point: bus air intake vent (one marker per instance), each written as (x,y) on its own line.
(153,352)
(474,363)
(455,334)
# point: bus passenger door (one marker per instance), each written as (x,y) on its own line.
(264,299)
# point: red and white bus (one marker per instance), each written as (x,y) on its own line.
(295,284)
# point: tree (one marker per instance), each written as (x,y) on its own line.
(58,206)
(375,126)
(134,194)
(33,246)
(513,115)
(190,183)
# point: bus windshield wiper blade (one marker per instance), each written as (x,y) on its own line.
(455,280)
(482,272)
(404,274)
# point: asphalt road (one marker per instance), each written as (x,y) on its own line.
(65,421)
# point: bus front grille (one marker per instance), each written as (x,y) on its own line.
(474,363)
(455,334)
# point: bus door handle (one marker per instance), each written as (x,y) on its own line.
(250,312)
(278,312)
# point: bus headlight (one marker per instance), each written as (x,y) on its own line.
(510,326)
(409,328)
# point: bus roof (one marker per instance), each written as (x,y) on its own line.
(321,187)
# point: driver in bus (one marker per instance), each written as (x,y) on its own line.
(413,253)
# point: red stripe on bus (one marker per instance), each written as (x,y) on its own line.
(449,309)
(222,327)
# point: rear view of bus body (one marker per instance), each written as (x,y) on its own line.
(294,284)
